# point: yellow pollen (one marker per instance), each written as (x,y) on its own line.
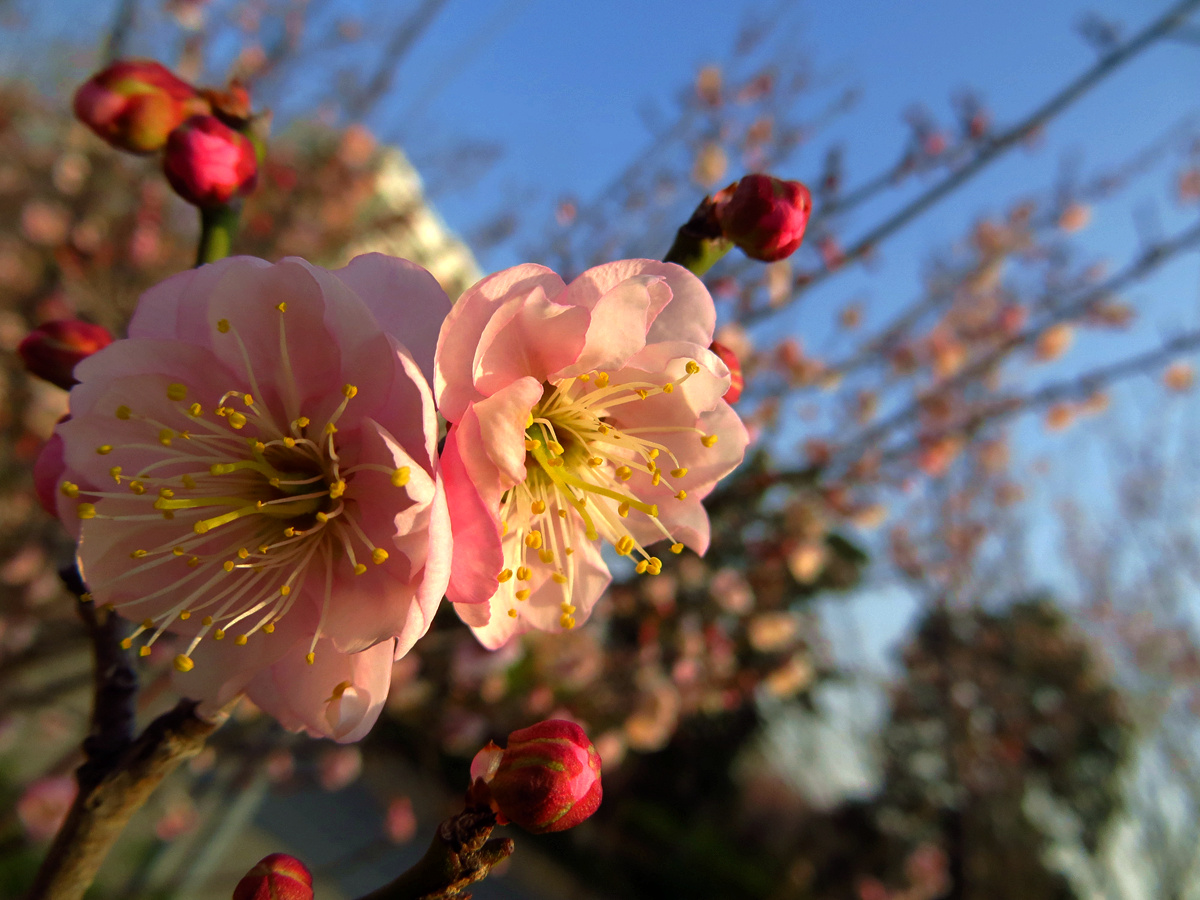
(566,607)
(166,493)
(126,643)
(289,532)
(504,575)
(104,449)
(322,518)
(601,379)
(623,510)
(137,487)
(348,391)
(243,553)
(585,377)
(124,412)
(147,623)
(523,573)
(195,410)
(282,307)
(400,476)
(144,651)
(652,512)
(69,489)
(554,447)
(668,388)
(708,440)
(512,613)
(176,391)
(240,640)
(679,473)
(237,420)
(178,551)
(692,367)
(653,454)
(248,399)
(183,663)
(594,461)
(164,437)
(184,615)
(682,495)
(378,555)
(223,326)
(677,548)
(359,568)
(602,428)
(537,507)
(302,422)
(559,578)
(555,461)
(569,550)
(642,392)
(533,540)
(85,598)
(532,444)
(219,634)
(625,545)
(624,473)
(310,657)
(641,567)
(206,621)
(86,511)
(337,488)
(655,478)
(330,428)
(289,442)
(115,472)
(284,590)
(227,565)
(269,628)
(546,555)
(567,622)
(263,548)
(523,594)
(562,513)
(137,554)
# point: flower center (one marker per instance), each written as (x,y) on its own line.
(249,505)
(585,472)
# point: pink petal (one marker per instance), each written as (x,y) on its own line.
(528,336)
(477,554)
(502,418)
(618,325)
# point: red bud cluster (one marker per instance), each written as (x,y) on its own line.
(764,216)
(547,779)
(134,104)
(52,350)
(208,163)
(276,877)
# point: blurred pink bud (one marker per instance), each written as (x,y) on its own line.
(276,877)
(53,349)
(44,805)
(339,767)
(765,216)
(401,821)
(736,381)
(134,104)
(547,779)
(208,163)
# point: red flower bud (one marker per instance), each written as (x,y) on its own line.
(276,877)
(208,163)
(134,104)
(765,216)
(736,382)
(51,351)
(547,779)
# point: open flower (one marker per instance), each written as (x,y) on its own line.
(582,413)
(254,469)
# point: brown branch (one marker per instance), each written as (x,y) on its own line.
(999,145)
(401,42)
(460,855)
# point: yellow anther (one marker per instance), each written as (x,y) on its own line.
(310,657)
(625,545)
(668,388)
(85,598)
(176,391)
(537,507)
(682,495)
(569,550)
(223,326)
(188,481)
(359,568)
(69,489)
(601,379)
(240,640)
(138,554)
(532,444)
(284,590)
(677,548)
(679,473)
(512,613)
(692,367)
(126,643)
(624,473)
(282,307)
(330,428)
(104,449)
(642,392)
(302,422)
(322,518)
(144,651)
(193,561)
(603,429)
(183,663)
(555,461)
(533,540)
(623,510)
(227,565)
(378,555)
(237,420)
(348,391)
(219,634)
(523,594)
(243,553)
(178,551)
(124,412)
(86,511)
(263,548)
(523,573)
(289,532)
(137,487)
(258,445)
(594,461)
(166,493)
(655,562)
(269,628)
(206,621)
(546,555)
(289,442)
(504,575)
(708,440)
(115,472)
(554,447)
(585,377)
(566,606)
(400,476)
(147,623)
(164,436)
(559,578)
(653,454)
(641,567)
(562,513)
(337,488)
(656,478)
(652,512)
(195,410)
(185,614)
(567,622)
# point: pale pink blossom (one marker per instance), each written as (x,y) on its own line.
(44,805)
(254,469)
(582,413)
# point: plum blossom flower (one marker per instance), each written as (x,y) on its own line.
(581,413)
(254,469)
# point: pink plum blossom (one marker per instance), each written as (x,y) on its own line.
(581,413)
(44,805)
(254,469)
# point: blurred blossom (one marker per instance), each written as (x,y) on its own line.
(70,172)
(791,678)
(203,761)
(1189,186)
(280,766)
(401,821)
(1075,217)
(339,767)
(708,86)
(709,165)
(43,806)
(731,591)
(1054,341)
(1179,377)
(44,223)
(566,211)
(778,281)
(179,818)
(806,560)
(654,718)
(1059,416)
(611,747)
(770,632)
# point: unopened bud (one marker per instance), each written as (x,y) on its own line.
(736,381)
(276,877)
(208,163)
(547,779)
(134,104)
(764,216)
(51,351)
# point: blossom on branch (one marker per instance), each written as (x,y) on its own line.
(254,469)
(208,163)
(581,413)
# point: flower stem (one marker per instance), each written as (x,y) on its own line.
(218,225)
(699,242)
